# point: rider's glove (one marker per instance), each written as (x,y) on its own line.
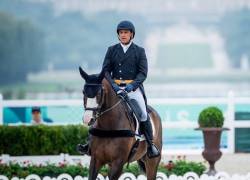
(116,87)
(122,94)
(129,88)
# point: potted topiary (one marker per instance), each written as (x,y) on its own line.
(210,122)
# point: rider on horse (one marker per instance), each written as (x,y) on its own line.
(127,65)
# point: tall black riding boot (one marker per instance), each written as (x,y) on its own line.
(146,128)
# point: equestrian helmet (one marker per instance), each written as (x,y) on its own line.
(126,25)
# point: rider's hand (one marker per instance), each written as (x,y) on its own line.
(116,87)
(129,88)
(122,94)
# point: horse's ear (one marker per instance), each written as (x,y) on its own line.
(101,75)
(83,74)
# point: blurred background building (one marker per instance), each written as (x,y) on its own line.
(194,48)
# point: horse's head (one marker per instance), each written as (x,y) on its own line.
(92,93)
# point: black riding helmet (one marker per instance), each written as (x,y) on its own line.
(126,25)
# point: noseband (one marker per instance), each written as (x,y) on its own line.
(98,86)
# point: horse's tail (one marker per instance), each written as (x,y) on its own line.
(142,165)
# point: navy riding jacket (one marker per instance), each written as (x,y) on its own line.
(131,65)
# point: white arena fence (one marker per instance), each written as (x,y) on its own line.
(130,176)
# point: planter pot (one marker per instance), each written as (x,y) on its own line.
(212,153)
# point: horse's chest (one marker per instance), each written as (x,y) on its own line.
(110,147)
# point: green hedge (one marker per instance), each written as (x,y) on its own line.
(41,140)
(179,167)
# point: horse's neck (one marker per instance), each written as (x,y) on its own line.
(116,117)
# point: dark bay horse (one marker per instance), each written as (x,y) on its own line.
(111,114)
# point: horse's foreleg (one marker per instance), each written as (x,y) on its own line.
(151,167)
(94,168)
(116,169)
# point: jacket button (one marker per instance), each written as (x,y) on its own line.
(120,71)
(119,64)
(120,78)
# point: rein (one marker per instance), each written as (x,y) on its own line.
(99,114)
(112,133)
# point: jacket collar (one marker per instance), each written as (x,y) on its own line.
(122,55)
(126,47)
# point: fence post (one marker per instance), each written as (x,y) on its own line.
(1,109)
(231,121)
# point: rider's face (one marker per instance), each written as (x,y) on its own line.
(125,36)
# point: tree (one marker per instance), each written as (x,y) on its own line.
(21,49)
